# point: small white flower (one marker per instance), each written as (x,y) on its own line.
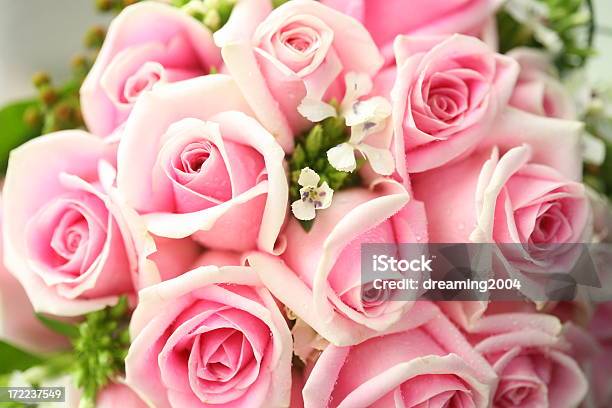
(368,117)
(357,85)
(593,149)
(312,197)
(364,117)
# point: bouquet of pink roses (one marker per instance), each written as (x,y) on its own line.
(195,226)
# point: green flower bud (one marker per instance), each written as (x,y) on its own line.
(95,37)
(41,79)
(48,95)
(212,20)
(33,117)
(105,5)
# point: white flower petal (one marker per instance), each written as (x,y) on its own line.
(358,134)
(308,178)
(303,210)
(357,85)
(373,110)
(315,110)
(342,157)
(381,160)
(326,193)
(593,149)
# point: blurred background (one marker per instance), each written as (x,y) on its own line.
(44,35)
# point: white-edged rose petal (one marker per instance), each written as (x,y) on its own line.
(315,110)
(342,157)
(308,178)
(381,160)
(303,210)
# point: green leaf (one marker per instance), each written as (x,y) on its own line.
(13,129)
(63,328)
(15,359)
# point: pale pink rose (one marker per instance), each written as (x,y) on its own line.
(515,128)
(429,364)
(319,275)
(18,324)
(148,44)
(301,50)
(65,239)
(532,363)
(510,200)
(538,89)
(194,164)
(387,19)
(243,21)
(116,395)
(158,258)
(213,336)
(448,93)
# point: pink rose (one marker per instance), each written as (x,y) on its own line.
(243,20)
(201,167)
(18,324)
(319,275)
(418,17)
(213,336)
(65,238)
(601,369)
(301,50)
(507,199)
(427,365)
(532,363)
(117,394)
(137,57)
(538,89)
(448,93)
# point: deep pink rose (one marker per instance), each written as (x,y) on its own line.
(302,49)
(538,89)
(427,365)
(448,93)
(531,360)
(387,19)
(65,239)
(319,275)
(213,336)
(18,324)
(507,199)
(148,44)
(194,164)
